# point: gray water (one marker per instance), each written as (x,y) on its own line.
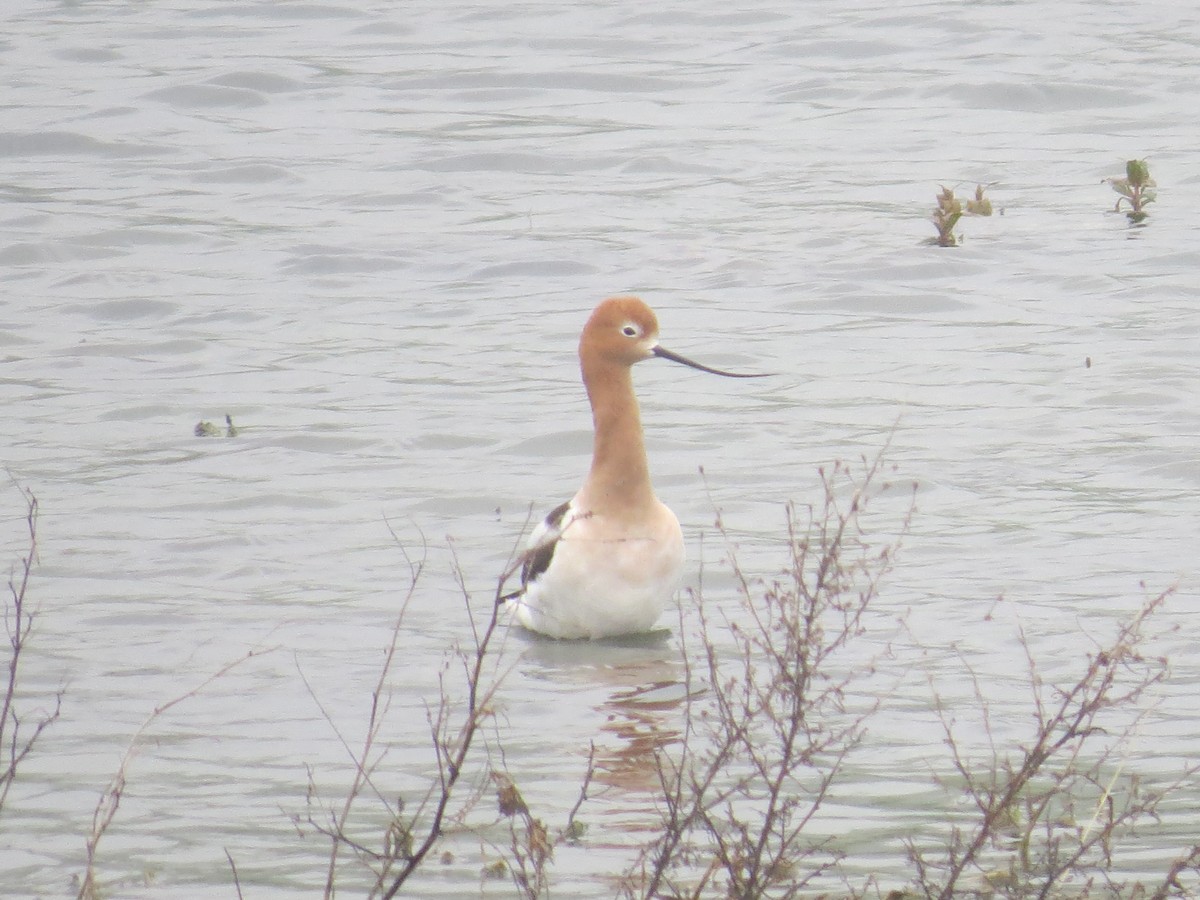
(370,233)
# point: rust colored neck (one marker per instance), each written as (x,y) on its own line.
(619,479)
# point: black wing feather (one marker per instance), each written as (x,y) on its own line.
(538,560)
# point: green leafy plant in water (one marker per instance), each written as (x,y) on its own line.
(1137,189)
(208,429)
(981,205)
(949,210)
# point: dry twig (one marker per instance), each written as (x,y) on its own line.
(18,620)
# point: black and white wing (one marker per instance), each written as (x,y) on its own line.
(542,543)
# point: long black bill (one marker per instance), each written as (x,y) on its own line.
(675,357)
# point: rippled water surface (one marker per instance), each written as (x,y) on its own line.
(370,234)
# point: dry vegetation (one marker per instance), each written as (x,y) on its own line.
(1049,816)
(771,712)
(21,721)
(764,731)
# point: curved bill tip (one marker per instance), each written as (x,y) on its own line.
(664,353)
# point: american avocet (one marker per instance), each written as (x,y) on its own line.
(607,562)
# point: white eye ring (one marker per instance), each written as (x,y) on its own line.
(630,331)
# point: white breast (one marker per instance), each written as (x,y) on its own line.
(604,578)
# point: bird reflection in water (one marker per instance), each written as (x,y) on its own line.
(637,690)
(644,720)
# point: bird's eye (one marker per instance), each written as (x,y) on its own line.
(630,331)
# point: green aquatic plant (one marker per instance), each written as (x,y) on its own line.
(981,205)
(950,209)
(208,429)
(1137,189)
(945,216)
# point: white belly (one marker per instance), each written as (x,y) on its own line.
(605,579)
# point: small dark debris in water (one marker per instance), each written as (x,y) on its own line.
(208,429)
(496,870)
(574,832)
(509,800)
(447,858)
(1087,362)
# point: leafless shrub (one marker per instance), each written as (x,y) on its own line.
(333,823)
(412,833)
(1171,886)
(16,744)
(1048,817)
(110,797)
(465,772)
(770,713)
(768,728)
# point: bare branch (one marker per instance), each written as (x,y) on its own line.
(18,620)
(1026,802)
(110,797)
(769,731)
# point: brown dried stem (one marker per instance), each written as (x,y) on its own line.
(18,621)
(1026,806)
(773,730)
